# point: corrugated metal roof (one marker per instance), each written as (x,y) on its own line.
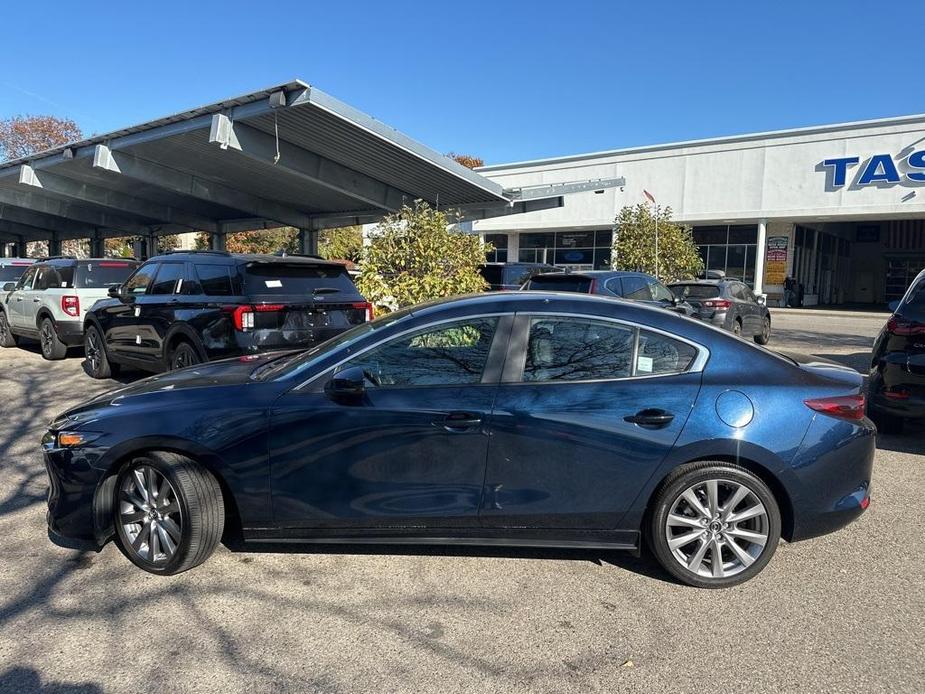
(360,166)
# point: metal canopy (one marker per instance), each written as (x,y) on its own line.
(289,155)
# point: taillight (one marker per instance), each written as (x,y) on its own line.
(593,288)
(840,406)
(367,309)
(717,303)
(71,305)
(902,326)
(243,316)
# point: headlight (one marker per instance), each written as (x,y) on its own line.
(68,439)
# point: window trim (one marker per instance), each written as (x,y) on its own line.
(512,374)
(491,374)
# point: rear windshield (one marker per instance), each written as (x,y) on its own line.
(11,273)
(695,291)
(99,274)
(561,283)
(914,305)
(297,279)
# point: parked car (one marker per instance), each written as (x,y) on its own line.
(897,370)
(50,299)
(189,307)
(728,304)
(509,276)
(635,286)
(610,423)
(11,269)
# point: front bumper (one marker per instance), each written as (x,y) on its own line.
(79,497)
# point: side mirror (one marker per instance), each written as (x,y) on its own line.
(9,286)
(349,384)
(115,291)
(893,305)
(762,300)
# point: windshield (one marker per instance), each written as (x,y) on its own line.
(292,365)
(492,274)
(11,273)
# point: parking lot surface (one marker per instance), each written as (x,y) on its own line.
(845,612)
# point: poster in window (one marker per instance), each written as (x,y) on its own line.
(775,266)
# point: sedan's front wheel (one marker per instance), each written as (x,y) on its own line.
(168,511)
(714,525)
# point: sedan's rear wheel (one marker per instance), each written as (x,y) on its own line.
(714,525)
(737,327)
(169,513)
(764,337)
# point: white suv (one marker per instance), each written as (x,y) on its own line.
(49,300)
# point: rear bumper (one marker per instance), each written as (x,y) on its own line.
(832,471)
(897,391)
(70,332)
(255,341)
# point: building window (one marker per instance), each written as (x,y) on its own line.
(499,242)
(579,250)
(730,249)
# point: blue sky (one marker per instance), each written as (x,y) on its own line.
(503,80)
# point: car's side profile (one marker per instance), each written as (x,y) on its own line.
(728,304)
(523,418)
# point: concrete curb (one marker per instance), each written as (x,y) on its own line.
(831,313)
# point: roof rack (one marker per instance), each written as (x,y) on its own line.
(56,257)
(206,251)
(283,253)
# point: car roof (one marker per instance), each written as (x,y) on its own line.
(712,283)
(225,258)
(61,262)
(600,273)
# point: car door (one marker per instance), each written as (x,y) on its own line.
(120,318)
(747,309)
(155,311)
(20,297)
(410,451)
(586,411)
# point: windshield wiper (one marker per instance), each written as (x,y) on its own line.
(326,290)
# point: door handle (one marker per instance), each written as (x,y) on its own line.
(651,418)
(460,421)
(36,301)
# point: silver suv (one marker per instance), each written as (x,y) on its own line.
(49,300)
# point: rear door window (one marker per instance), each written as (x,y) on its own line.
(577,349)
(561,283)
(99,274)
(636,288)
(298,280)
(615,285)
(169,279)
(659,292)
(214,280)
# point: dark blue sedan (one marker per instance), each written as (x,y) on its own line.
(518,418)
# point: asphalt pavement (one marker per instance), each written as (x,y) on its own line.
(845,612)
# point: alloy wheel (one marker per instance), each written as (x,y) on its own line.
(47,338)
(92,348)
(183,357)
(717,528)
(149,512)
(4,328)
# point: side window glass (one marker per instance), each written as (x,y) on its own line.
(615,286)
(451,354)
(659,354)
(577,349)
(138,283)
(215,280)
(636,288)
(659,293)
(169,279)
(25,282)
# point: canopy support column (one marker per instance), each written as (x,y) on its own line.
(97,246)
(217,240)
(54,245)
(761,251)
(308,241)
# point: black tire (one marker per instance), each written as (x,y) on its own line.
(7,338)
(728,476)
(737,327)
(198,520)
(182,355)
(98,363)
(764,337)
(52,347)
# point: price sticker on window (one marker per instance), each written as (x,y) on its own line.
(644,365)
(273,283)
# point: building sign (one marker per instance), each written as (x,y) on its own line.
(878,169)
(775,265)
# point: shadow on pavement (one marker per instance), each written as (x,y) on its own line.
(23,679)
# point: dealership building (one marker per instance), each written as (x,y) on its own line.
(840,208)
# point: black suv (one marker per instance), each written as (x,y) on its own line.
(188,307)
(897,371)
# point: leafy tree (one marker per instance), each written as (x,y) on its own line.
(21,136)
(634,244)
(344,243)
(467,160)
(414,257)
